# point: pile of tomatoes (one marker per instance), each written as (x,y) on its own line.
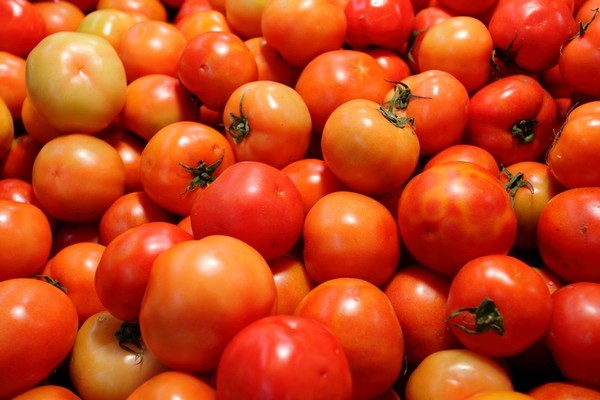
(300,199)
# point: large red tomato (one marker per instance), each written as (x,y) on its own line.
(263,360)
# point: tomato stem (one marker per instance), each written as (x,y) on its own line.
(239,126)
(515,182)
(202,174)
(524,130)
(487,317)
(129,337)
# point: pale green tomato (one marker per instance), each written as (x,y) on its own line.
(76,81)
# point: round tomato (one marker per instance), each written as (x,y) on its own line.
(348,234)
(254,202)
(269,122)
(362,317)
(200,293)
(498,305)
(263,360)
(174,385)
(39,325)
(454,212)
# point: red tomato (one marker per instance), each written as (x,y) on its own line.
(385,24)
(26,239)
(267,121)
(213,64)
(465,152)
(12,82)
(368,147)
(486,305)
(172,385)
(419,297)
(39,325)
(363,319)
(300,30)
(455,374)
(123,271)
(568,241)
(348,234)
(181,159)
(513,118)
(263,360)
(254,202)
(563,391)
(574,331)
(22,27)
(292,282)
(529,34)
(460,210)
(44,392)
(221,284)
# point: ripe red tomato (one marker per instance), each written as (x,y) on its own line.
(362,317)
(254,202)
(22,27)
(39,325)
(513,118)
(568,234)
(122,274)
(171,385)
(348,234)
(498,305)
(574,331)
(454,212)
(263,360)
(199,295)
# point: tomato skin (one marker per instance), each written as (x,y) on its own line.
(122,274)
(519,295)
(188,332)
(253,365)
(173,385)
(459,209)
(348,234)
(23,27)
(363,319)
(573,332)
(254,202)
(385,24)
(563,391)
(39,325)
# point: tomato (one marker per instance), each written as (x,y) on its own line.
(151,47)
(74,268)
(567,239)
(455,374)
(145,9)
(573,332)
(460,45)
(60,15)
(174,385)
(76,82)
(76,177)
(263,360)
(267,121)
(123,270)
(498,305)
(23,27)
(314,179)
(12,82)
(179,160)
(362,317)
(556,390)
(334,77)
(499,395)
(153,102)
(109,360)
(531,185)
(213,64)
(529,34)
(271,66)
(460,210)
(109,24)
(368,147)
(296,30)
(254,202)
(292,282)
(130,147)
(465,152)
(386,24)
(202,21)
(222,285)
(39,325)
(513,118)
(571,157)
(128,211)
(26,239)
(439,105)
(244,17)
(348,234)
(44,392)
(419,297)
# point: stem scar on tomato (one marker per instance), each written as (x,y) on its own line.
(129,337)
(487,317)
(239,126)
(515,182)
(202,174)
